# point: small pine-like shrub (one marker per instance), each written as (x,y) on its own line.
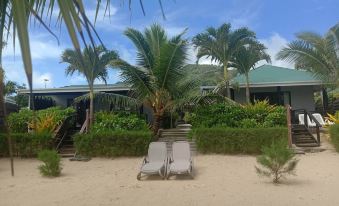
(276,161)
(51,166)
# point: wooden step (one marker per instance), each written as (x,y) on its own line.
(307,144)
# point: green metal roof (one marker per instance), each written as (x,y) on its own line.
(268,75)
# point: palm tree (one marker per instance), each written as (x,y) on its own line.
(157,78)
(92,66)
(220,44)
(315,53)
(246,59)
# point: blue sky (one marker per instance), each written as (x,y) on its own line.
(274,21)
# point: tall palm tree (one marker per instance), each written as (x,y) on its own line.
(220,44)
(157,78)
(92,66)
(246,59)
(315,53)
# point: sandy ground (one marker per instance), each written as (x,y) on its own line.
(220,180)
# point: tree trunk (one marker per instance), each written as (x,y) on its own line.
(91,107)
(228,93)
(156,123)
(325,100)
(248,99)
(4,122)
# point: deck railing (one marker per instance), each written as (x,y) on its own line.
(308,116)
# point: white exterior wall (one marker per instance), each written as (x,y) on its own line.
(302,97)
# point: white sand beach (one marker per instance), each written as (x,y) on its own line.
(220,180)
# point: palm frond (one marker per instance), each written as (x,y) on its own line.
(110,98)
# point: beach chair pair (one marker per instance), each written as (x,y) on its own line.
(159,162)
(311,123)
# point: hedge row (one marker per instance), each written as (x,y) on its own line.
(236,140)
(113,144)
(334,133)
(25,144)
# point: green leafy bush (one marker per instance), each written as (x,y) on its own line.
(260,114)
(218,115)
(107,121)
(248,123)
(334,134)
(51,160)
(236,140)
(277,160)
(19,121)
(113,143)
(26,144)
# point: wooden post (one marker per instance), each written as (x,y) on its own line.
(289,125)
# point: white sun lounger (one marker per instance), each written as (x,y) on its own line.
(181,161)
(319,118)
(156,160)
(309,122)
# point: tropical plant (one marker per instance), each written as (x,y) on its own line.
(51,160)
(277,161)
(315,53)
(108,121)
(334,118)
(246,58)
(220,44)
(157,79)
(93,64)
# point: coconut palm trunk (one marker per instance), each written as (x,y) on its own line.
(157,123)
(248,98)
(227,86)
(91,105)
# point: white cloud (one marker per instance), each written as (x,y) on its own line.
(274,44)
(14,71)
(40,79)
(42,47)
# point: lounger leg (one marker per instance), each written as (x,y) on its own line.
(191,172)
(139,176)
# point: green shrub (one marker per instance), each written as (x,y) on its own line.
(277,160)
(259,110)
(113,143)
(218,115)
(236,140)
(25,144)
(334,134)
(18,121)
(248,123)
(260,114)
(276,118)
(51,160)
(118,122)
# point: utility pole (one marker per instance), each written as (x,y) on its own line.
(46,80)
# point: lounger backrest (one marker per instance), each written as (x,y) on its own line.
(319,118)
(301,119)
(309,121)
(181,151)
(157,152)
